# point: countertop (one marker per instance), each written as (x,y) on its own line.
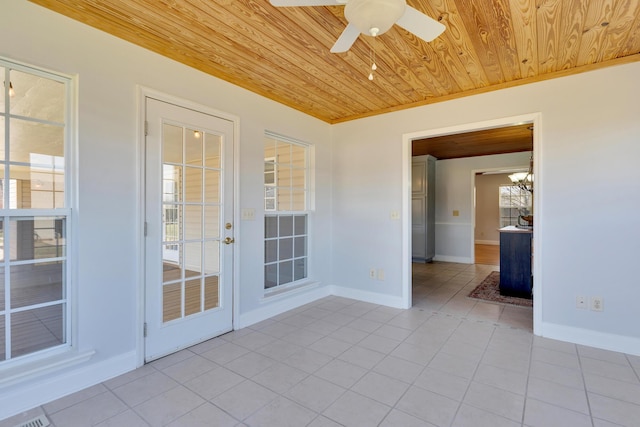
(514,229)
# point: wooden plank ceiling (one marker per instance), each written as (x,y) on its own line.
(510,139)
(283,53)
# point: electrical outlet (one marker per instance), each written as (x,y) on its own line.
(372,273)
(456,213)
(597,304)
(581,302)
(380,274)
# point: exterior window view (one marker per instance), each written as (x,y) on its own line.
(34,216)
(286,218)
(514,202)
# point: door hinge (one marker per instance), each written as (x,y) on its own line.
(144,330)
(146,128)
(145,228)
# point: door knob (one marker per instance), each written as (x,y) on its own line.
(228,240)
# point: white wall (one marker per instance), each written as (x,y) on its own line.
(487,220)
(454,191)
(107,274)
(589,191)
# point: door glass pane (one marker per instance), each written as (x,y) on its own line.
(172,143)
(2,137)
(193,188)
(192,296)
(193,259)
(187,221)
(211,292)
(212,256)
(212,186)
(171,183)
(171,302)
(172,223)
(212,145)
(193,147)
(193,222)
(212,222)
(171,269)
(3,350)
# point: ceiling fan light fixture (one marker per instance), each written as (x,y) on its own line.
(374,17)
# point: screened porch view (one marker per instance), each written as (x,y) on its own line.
(191,221)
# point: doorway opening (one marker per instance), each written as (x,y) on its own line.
(455,216)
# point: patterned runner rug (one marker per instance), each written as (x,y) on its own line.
(489,290)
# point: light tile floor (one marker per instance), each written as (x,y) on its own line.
(448,361)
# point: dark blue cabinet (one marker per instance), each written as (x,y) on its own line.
(515,262)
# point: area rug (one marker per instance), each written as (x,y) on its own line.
(489,290)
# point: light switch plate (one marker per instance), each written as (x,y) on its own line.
(248,214)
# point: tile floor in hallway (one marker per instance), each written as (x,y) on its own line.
(448,361)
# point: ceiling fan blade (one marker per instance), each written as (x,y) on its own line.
(420,24)
(346,39)
(292,3)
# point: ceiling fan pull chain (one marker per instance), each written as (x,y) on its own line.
(372,59)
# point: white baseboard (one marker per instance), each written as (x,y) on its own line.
(487,242)
(16,399)
(460,260)
(279,307)
(366,296)
(612,342)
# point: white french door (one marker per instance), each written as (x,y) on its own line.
(189,227)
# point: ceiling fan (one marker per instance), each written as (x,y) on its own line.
(374,17)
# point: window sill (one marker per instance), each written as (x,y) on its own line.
(277,293)
(28,370)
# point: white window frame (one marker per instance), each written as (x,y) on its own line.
(10,365)
(278,288)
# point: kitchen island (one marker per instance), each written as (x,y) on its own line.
(515,261)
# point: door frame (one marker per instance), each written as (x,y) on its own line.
(143,93)
(407,139)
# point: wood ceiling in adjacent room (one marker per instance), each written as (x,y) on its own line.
(283,53)
(511,139)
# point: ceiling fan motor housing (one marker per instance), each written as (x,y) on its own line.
(374,17)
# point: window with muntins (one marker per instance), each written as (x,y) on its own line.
(34,211)
(514,201)
(286,217)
